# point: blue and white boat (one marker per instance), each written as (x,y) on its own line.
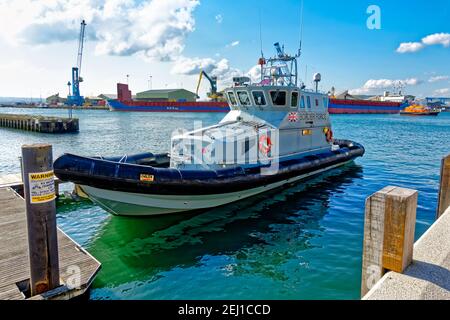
(277,133)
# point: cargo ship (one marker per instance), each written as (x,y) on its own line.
(344,106)
(167,106)
(388,103)
(169,100)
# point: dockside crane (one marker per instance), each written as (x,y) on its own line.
(76,98)
(212,94)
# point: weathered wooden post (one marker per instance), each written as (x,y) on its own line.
(444,187)
(39,191)
(389,226)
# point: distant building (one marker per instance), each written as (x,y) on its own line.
(55,99)
(438,100)
(107,96)
(93,101)
(167,95)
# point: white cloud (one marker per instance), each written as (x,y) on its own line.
(233,44)
(437,38)
(255,73)
(193,66)
(219,68)
(430,40)
(374,85)
(410,47)
(438,78)
(442,91)
(155,29)
(219,18)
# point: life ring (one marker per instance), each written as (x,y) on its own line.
(265,144)
(329,135)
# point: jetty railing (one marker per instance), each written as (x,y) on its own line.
(388,248)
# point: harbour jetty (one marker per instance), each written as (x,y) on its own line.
(53,107)
(38,261)
(38,123)
(396,268)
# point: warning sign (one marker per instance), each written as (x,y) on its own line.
(42,187)
(147,177)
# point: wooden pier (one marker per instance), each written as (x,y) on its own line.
(75,264)
(37,123)
(38,261)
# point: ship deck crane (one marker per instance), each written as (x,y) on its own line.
(76,98)
(212,94)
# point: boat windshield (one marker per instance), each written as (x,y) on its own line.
(259,98)
(278,97)
(244,98)
(232,98)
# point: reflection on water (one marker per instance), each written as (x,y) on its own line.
(261,234)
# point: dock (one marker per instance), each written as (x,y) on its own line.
(77,267)
(428,277)
(36,123)
(393,266)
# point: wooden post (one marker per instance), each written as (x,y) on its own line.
(444,187)
(39,191)
(389,227)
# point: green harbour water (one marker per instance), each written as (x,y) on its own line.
(302,242)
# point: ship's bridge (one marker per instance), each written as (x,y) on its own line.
(254,98)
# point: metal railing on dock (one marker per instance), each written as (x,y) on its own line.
(394,267)
(39,123)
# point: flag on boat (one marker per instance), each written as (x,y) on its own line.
(293,117)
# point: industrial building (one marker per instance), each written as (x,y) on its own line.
(438,100)
(167,95)
(55,100)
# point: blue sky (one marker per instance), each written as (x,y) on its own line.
(36,58)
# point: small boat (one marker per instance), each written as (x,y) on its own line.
(277,133)
(419,110)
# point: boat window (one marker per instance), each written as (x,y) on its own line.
(302,103)
(259,98)
(244,98)
(232,98)
(325,102)
(278,98)
(294,99)
(308,102)
(317,102)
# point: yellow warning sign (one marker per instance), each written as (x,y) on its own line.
(42,187)
(147,177)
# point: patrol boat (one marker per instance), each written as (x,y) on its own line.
(277,133)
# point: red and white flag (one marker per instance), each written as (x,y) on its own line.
(293,117)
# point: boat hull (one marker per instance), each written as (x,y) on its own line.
(143,185)
(165,106)
(342,106)
(135,204)
(417,114)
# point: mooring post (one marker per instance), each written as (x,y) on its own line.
(39,191)
(444,187)
(389,226)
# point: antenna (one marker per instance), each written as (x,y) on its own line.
(260,34)
(301,29)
